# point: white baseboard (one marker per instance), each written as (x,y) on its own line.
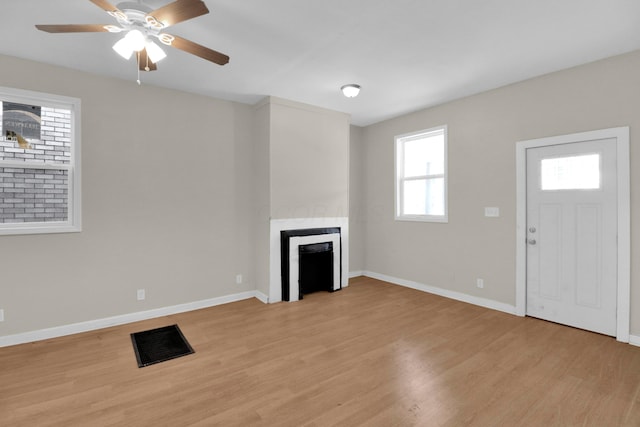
(459,296)
(262,297)
(92,325)
(353,274)
(634,340)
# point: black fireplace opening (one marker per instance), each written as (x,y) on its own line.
(315,268)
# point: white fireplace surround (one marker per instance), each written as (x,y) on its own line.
(340,253)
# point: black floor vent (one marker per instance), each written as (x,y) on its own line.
(159,345)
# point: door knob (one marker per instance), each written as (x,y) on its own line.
(532,241)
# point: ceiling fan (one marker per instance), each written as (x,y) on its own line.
(142,26)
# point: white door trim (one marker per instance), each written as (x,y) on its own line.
(621,134)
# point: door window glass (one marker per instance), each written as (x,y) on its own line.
(570,173)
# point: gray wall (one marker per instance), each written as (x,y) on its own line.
(309,161)
(262,195)
(166,195)
(483,131)
(357,246)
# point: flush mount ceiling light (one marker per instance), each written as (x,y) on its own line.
(350,90)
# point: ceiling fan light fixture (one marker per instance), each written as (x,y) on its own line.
(123,48)
(155,52)
(140,24)
(136,40)
(350,90)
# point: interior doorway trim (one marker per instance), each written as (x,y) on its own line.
(621,135)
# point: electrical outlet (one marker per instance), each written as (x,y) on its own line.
(238,279)
(480,283)
(1,315)
(141,294)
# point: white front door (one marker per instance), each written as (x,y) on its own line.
(571,231)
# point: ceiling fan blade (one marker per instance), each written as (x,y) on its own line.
(199,50)
(73,28)
(178,11)
(144,63)
(106,6)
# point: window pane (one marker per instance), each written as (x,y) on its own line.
(570,173)
(424,156)
(414,197)
(435,196)
(424,197)
(42,135)
(33,195)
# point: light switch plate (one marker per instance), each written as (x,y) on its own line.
(492,212)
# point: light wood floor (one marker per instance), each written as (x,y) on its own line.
(373,354)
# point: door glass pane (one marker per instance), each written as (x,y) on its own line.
(570,173)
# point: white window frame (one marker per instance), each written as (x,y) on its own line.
(399,178)
(74,216)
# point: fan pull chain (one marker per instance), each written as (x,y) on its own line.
(138,67)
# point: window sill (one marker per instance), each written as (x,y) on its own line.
(39,228)
(423,218)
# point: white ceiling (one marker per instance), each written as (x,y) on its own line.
(406,54)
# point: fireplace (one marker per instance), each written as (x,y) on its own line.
(288,236)
(302,253)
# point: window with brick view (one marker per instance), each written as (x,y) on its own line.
(39,169)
